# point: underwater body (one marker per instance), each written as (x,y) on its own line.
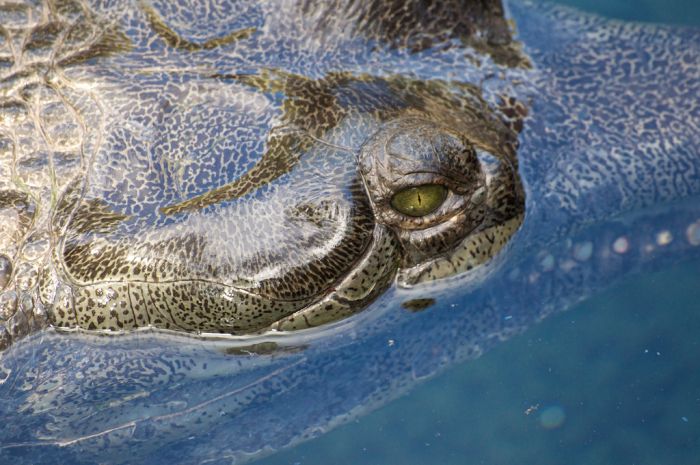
(317,380)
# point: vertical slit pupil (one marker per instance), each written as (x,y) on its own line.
(410,201)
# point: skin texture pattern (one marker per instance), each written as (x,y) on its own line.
(209,186)
(228,228)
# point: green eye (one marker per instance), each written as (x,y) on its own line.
(419,200)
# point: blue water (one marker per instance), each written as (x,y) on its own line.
(612,381)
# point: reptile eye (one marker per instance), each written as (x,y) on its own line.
(419,200)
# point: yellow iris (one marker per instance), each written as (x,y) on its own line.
(419,200)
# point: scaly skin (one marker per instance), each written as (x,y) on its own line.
(206,184)
(50,128)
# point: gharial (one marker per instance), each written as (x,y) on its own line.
(352,194)
(232,184)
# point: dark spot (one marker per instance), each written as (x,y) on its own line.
(418,305)
(5,271)
(262,348)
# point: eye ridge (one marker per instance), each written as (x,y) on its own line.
(421,200)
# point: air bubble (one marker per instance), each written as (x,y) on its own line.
(621,245)
(552,417)
(693,233)
(664,238)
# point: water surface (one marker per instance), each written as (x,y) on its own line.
(613,380)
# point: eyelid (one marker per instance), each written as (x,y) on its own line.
(420,178)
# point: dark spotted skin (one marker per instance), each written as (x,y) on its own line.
(220,183)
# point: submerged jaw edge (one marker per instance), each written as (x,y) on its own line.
(372,274)
(473,251)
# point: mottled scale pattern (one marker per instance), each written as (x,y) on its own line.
(190,166)
(50,128)
(622,118)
